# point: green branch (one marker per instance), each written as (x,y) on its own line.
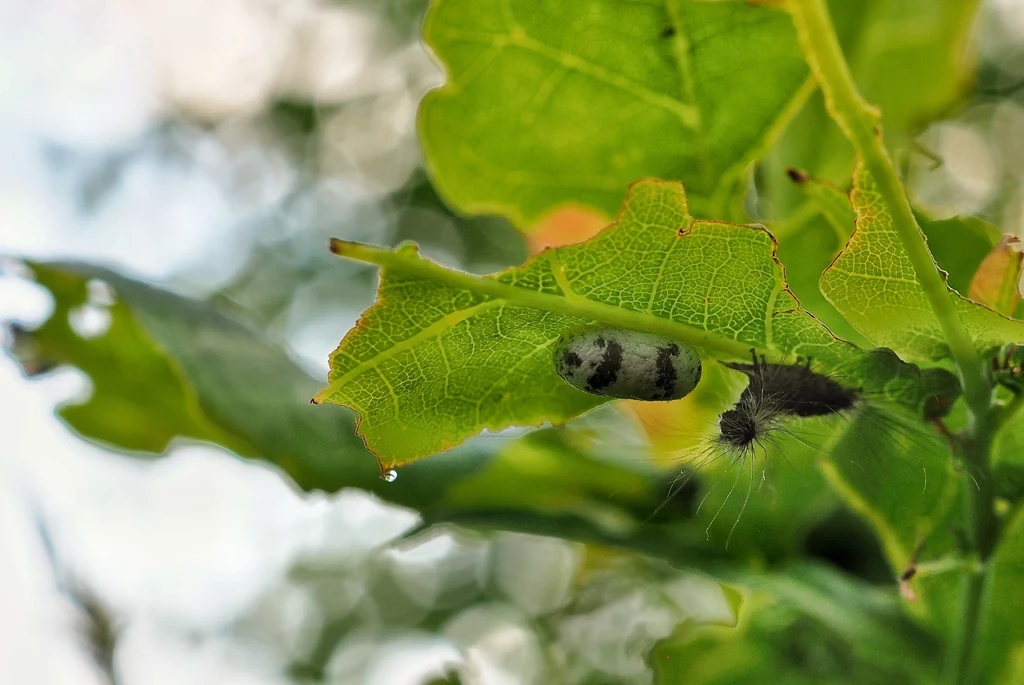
(860,122)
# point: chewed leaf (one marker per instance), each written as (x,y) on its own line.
(558,103)
(873,284)
(443,355)
(125,363)
(222,381)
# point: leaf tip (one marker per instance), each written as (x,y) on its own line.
(338,246)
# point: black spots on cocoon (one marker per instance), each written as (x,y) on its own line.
(626,364)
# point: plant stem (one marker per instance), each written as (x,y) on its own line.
(861,124)
(983,531)
(859,121)
(958,666)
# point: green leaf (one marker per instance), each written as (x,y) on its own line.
(781,490)
(553,471)
(567,103)
(1000,657)
(809,242)
(548,483)
(123,409)
(873,284)
(168,366)
(1008,454)
(898,475)
(443,355)
(895,475)
(223,382)
(806,253)
(589,469)
(802,625)
(912,59)
(587,482)
(959,245)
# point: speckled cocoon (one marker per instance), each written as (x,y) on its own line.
(627,364)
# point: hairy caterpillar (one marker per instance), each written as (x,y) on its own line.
(777,400)
(886,420)
(627,364)
(775,391)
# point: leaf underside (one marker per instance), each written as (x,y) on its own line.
(550,104)
(434,362)
(874,285)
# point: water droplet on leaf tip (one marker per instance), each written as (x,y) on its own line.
(390,475)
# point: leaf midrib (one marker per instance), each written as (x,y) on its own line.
(566,303)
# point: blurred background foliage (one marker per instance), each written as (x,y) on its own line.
(171,174)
